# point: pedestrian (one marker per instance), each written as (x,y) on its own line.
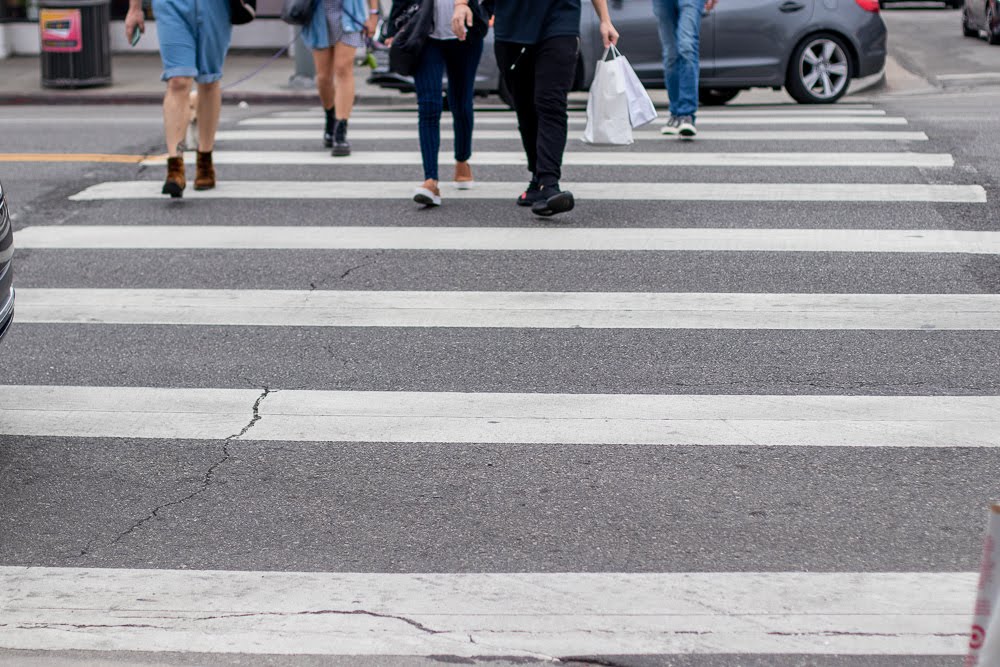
(537,48)
(443,51)
(337,29)
(194,38)
(680,26)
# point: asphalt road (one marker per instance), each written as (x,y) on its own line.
(108,504)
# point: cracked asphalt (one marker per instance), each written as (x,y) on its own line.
(379,507)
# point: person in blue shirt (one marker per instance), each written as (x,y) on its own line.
(337,29)
(680,28)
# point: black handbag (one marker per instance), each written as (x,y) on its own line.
(409,40)
(297,12)
(242,11)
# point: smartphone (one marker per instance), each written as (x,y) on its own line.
(136,34)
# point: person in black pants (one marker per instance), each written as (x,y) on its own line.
(537,46)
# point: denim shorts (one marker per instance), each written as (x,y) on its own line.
(194,37)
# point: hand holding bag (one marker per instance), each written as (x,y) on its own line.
(607,106)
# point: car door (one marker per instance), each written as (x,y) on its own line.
(753,39)
(640,39)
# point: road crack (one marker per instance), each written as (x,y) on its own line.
(206,481)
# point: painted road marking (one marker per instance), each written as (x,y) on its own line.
(632,191)
(473,614)
(594,158)
(170,237)
(509,116)
(493,418)
(512,135)
(588,310)
(74,157)
(727,119)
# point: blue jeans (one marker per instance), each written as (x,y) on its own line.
(680,25)
(194,37)
(460,59)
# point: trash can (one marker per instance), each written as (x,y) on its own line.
(76,46)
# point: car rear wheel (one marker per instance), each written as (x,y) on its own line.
(711,97)
(967,28)
(991,19)
(819,71)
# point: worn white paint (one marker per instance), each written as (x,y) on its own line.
(593,158)
(477,614)
(446,417)
(652,191)
(162,237)
(512,135)
(601,310)
(315,121)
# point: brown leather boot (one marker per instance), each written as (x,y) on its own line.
(204,175)
(176,180)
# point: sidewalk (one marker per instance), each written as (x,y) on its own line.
(136,80)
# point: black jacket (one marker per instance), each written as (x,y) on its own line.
(404,11)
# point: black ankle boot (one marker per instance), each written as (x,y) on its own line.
(341,147)
(328,131)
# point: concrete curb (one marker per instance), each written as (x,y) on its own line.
(229,97)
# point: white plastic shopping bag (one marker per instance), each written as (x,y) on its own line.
(607,107)
(640,108)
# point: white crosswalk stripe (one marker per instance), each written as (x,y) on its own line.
(513,136)
(448,417)
(253,237)
(552,310)
(595,158)
(466,615)
(548,614)
(813,192)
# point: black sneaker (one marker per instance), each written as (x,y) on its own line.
(532,194)
(552,201)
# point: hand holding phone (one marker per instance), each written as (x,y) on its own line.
(136,34)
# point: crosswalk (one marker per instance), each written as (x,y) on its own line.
(293,203)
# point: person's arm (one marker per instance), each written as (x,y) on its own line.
(134,19)
(608,33)
(371,23)
(461,20)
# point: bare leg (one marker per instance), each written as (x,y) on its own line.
(176,111)
(209,107)
(323,59)
(343,80)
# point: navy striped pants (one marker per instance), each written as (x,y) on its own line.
(460,60)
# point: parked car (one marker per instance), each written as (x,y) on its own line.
(812,48)
(6,272)
(981,17)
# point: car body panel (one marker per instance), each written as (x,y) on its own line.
(758,56)
(6,267)
(975,13)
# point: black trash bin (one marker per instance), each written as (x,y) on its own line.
(76,46)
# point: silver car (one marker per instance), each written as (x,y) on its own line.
(812,48)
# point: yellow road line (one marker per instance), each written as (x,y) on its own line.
(73,157)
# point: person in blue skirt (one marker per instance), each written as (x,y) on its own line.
(337,30)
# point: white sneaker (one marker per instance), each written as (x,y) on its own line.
(686,128)
(426,197)
(671,128)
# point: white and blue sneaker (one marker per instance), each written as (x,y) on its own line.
(671,128)
(686,128)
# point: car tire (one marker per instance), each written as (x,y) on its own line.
(967,28)
(713,97)
(820,70)
(955,4)
(991,36)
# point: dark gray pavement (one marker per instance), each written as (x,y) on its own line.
(379,507)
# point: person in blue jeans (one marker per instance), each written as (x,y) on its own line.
(444,52)
(680,26)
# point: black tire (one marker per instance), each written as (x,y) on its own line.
(991,37)
(956,4)
(505,95)
(713,97)
(967,30)
(799,79)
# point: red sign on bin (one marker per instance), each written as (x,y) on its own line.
(61,32)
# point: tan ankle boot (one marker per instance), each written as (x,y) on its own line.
(176,180)
(204,176)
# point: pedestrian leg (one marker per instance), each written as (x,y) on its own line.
(462,61)
(555,69)
(427,81)
(517,66)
